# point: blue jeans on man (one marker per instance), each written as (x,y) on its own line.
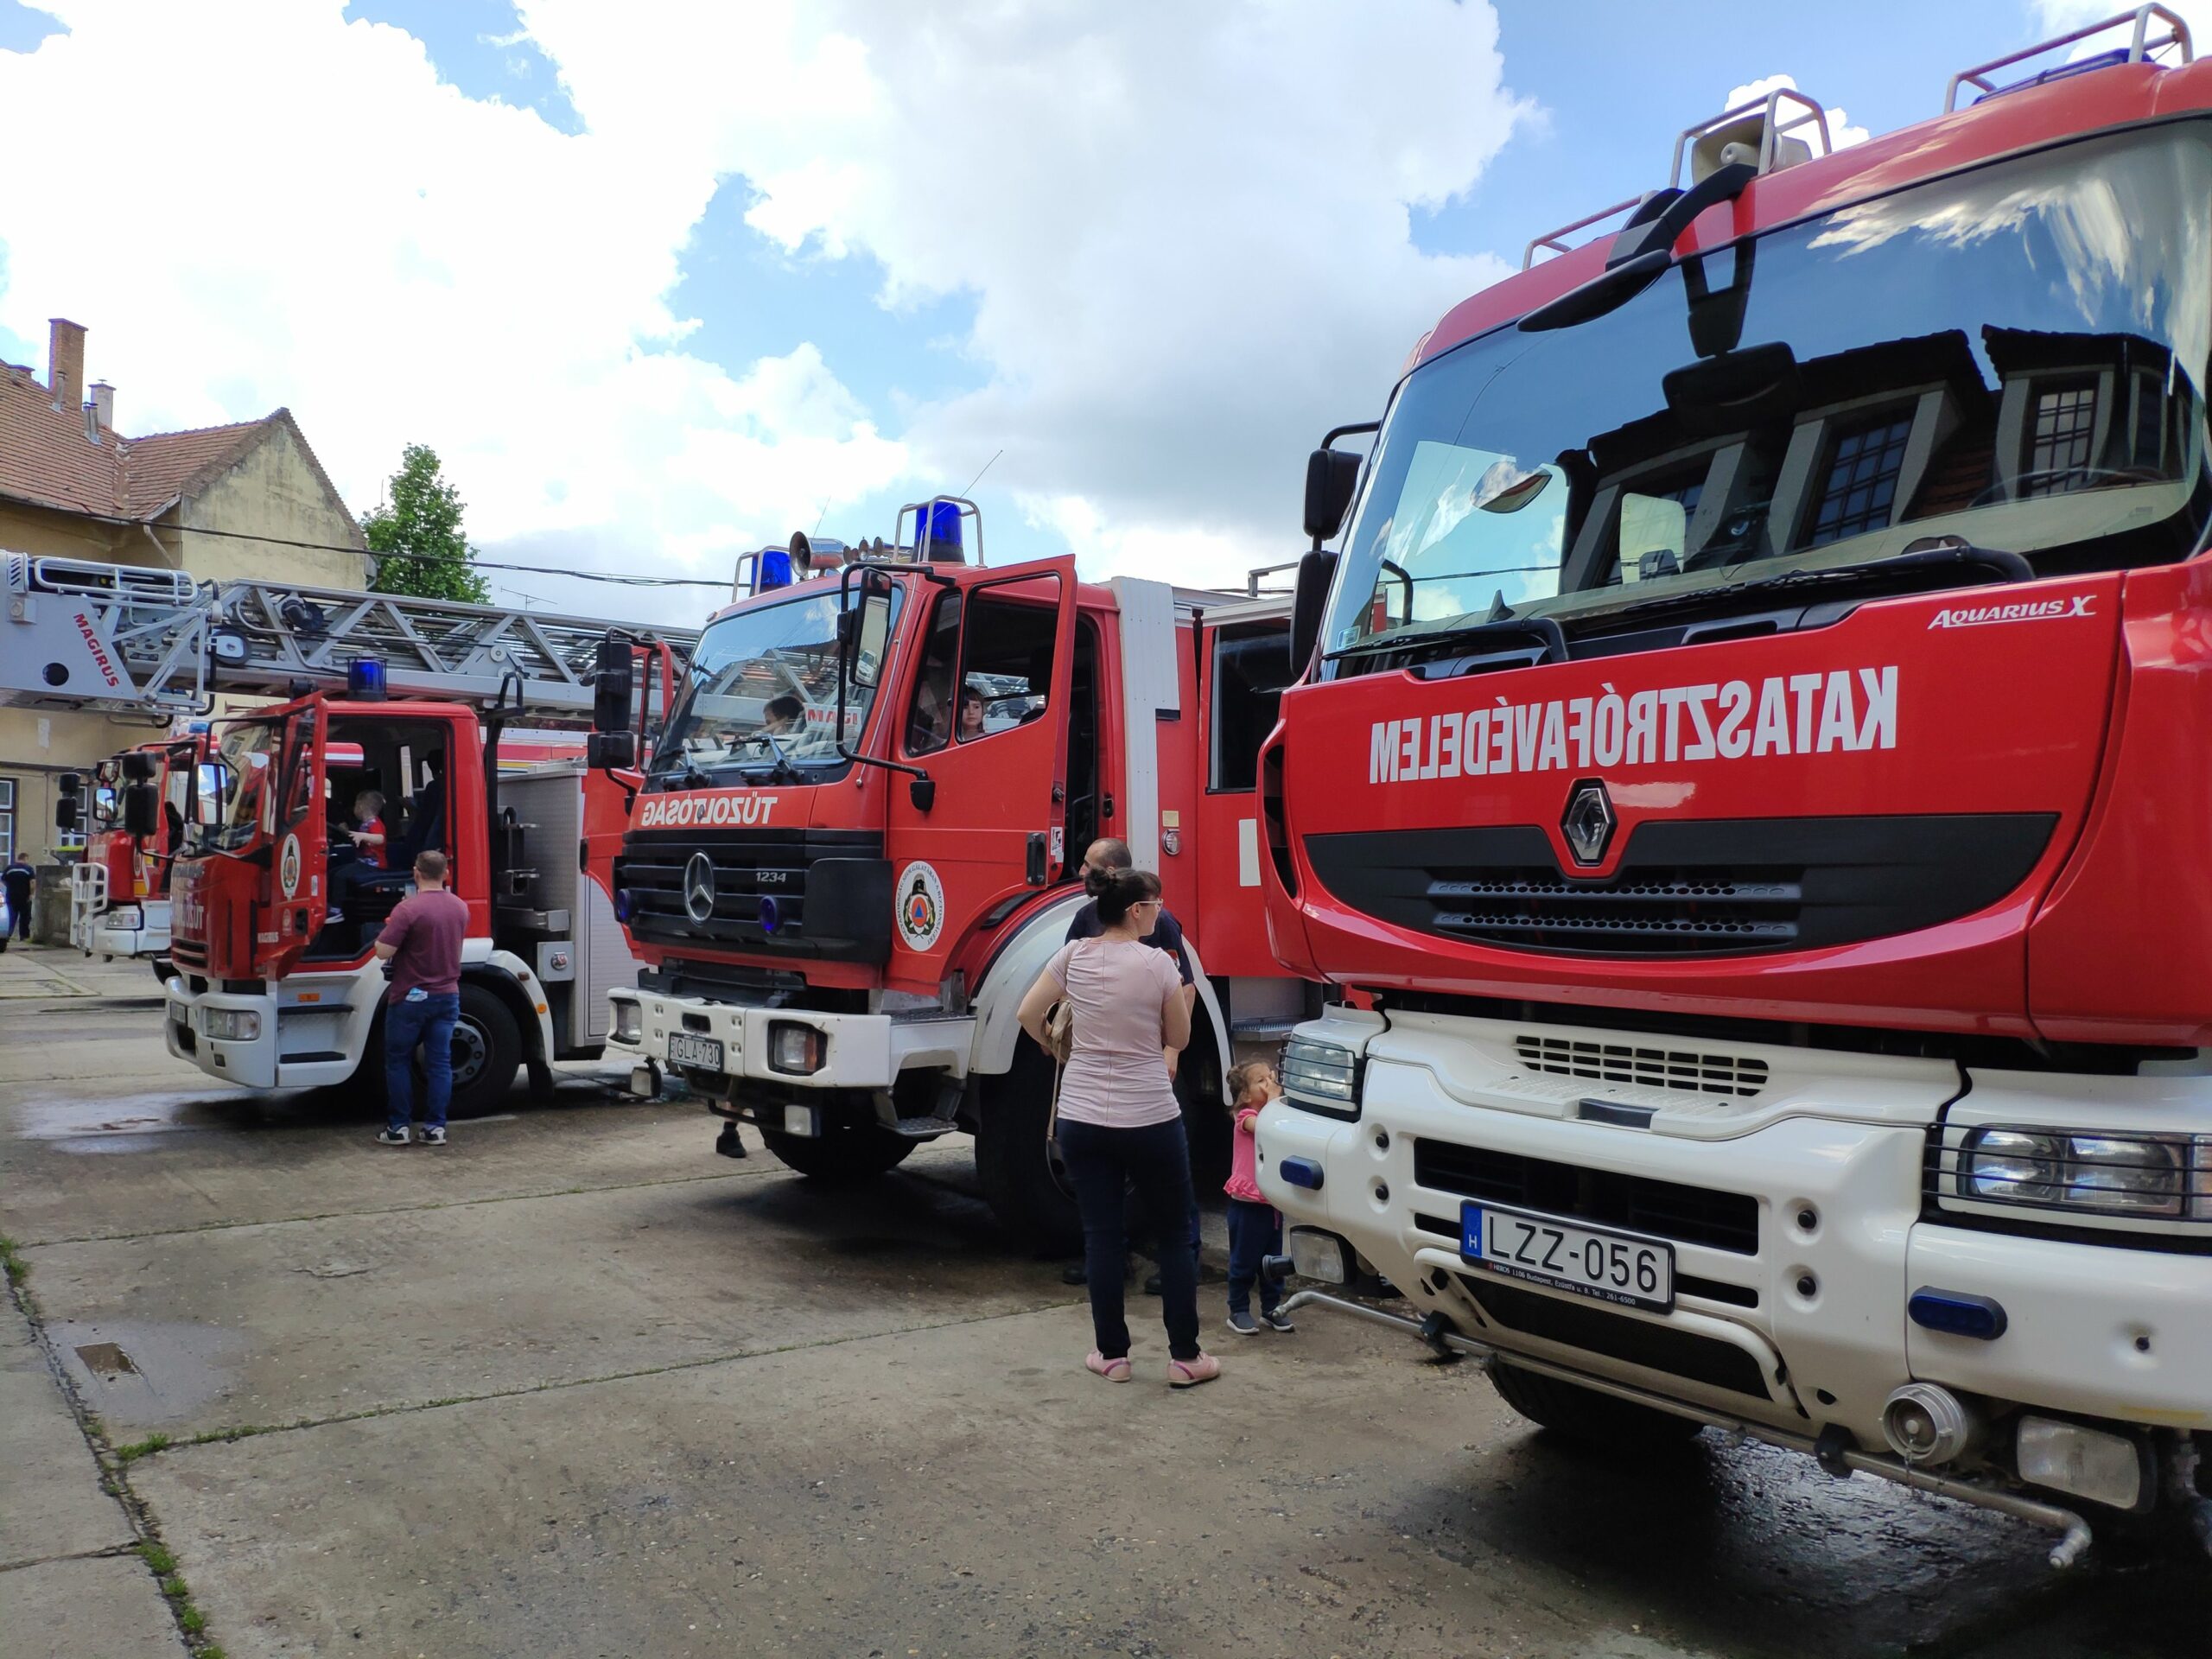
(428,1020)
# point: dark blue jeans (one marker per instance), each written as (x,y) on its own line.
(1102,1164)
(1255,1232)
(429,1022)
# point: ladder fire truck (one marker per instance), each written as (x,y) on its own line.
(861,835)
(429,702)
(119,894)
(1752,747)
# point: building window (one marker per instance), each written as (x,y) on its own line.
(1862,479)
(2058,440)
(6,819)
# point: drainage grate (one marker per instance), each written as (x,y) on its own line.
(1657,1068)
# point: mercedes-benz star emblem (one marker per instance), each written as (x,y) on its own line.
(699,887)
(1587,823)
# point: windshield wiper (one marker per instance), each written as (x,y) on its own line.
(784,769)
(1523,642)
(1934,555)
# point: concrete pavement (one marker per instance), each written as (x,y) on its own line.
(575,1386)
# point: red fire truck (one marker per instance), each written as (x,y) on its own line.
(119,892)
(859,841)
(1751,748)
(440,707)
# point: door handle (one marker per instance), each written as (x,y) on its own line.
(1035,873)
(1059,793)
(1106,807)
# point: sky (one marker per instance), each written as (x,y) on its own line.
(664,282)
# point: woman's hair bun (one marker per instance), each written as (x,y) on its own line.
(1116,890)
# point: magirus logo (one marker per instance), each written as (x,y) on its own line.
(2039,610)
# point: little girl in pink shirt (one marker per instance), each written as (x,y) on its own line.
(1255,1227)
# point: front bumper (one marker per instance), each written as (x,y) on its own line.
(1808,1327)
(310,1031)
(137,929)
(858,1051)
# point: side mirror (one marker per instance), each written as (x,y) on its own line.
(65,813)
(1332,480)
(611,751)
(142,811)
(69,785)
(1316,570)
(138,768)
(614,688)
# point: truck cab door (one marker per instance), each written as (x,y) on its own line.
(299,864)
(986,716)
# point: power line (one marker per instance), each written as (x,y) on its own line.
(721,586)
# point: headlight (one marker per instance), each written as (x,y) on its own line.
(1321,1076)
(2105,1174)
(230,1025)
(794,1048)
(629,1019)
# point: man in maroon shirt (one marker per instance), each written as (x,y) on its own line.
(421,941)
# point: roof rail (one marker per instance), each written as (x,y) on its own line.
(2140,48)
(1556,240)
(1773,140)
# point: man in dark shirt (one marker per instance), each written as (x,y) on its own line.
(421,941)
(1106,855)
(18,879)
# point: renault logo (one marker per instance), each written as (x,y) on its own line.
(1587,823)
(699,887)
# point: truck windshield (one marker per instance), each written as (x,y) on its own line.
(2007,356)
(762,688)
(247,763)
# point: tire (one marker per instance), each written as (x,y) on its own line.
(487,1050)
(1018,1170)
(1583,1413)
(843,1153)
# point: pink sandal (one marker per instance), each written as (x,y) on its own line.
(1189,1373)
(1114,1370)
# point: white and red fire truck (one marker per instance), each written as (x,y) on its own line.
(860,837)
(119,891)
(429,702)
(1752,748)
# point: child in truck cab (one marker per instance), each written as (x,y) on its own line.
(1254,1226)
(368,831)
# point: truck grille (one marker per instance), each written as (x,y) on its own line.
(1595,1330)
(1712,887)
(823,895)
(1689,1215)
(1656,1068)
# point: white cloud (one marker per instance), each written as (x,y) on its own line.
(1185,233)
(2063,17)
(1841,133)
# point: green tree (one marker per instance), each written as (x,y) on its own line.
(415,532)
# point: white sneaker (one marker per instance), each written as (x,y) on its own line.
(434,1137)
(391,1137)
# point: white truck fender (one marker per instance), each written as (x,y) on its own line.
(1008,978)
(477,953)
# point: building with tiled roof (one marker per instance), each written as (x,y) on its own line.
(246,499)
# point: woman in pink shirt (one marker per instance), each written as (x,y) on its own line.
(1120,1125)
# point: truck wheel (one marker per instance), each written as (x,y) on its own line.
(1018,1167)
(844,1152)
(487,1050)
(1586,1415)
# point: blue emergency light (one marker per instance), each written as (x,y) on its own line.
(940,530)
(775,569)
(771,915)
(365,679)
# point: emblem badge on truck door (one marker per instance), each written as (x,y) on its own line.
(1587,823)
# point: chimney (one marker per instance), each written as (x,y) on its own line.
(103,401)
(65,361)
